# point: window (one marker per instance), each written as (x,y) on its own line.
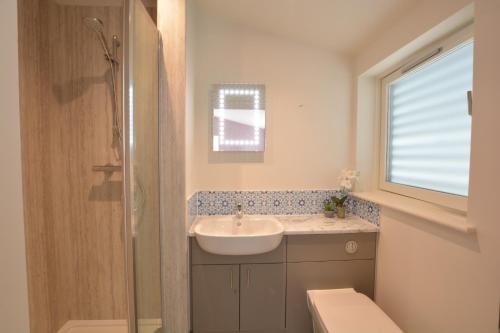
(426,124)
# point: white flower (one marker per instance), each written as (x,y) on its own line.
(347,178)
(346,184)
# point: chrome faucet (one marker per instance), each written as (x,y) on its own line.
(239,211)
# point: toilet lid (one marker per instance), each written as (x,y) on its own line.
(346,311)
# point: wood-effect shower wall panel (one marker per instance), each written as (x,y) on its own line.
(32,45)
(73,216)
(172,27)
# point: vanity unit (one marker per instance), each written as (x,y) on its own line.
(267,292)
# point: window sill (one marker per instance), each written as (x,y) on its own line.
(418,208)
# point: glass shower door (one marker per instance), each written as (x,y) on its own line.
(143,213)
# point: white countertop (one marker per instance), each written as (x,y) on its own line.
(314,224)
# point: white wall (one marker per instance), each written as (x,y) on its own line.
(13,285)
(429,278)
(308,93)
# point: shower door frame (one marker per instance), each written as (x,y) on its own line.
(129,85)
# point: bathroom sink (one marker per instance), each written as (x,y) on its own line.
(229,235)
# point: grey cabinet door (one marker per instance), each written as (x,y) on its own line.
(303,276)
(215,298)
(262,299)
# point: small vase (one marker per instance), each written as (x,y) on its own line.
(341,212)
(329,213)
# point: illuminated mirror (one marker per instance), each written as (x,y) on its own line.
(239,119)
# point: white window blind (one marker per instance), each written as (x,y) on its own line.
(429,125)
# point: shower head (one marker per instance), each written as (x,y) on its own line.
(94,23)
(97,26)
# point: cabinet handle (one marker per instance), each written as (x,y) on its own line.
(248,278)
(231,277)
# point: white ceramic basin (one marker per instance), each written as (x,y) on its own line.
(228,235)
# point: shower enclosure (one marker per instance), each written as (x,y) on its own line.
(89,129)
(142,169)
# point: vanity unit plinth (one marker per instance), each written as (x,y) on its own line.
(266,293)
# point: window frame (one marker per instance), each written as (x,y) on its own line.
(447,44)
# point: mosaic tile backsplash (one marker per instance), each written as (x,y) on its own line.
(275,203)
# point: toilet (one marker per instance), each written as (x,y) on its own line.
(347,311)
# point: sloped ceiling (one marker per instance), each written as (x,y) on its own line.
(337,25)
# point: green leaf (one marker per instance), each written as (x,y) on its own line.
(339,202)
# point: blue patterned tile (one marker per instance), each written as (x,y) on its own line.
(277,203)
(365,209)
